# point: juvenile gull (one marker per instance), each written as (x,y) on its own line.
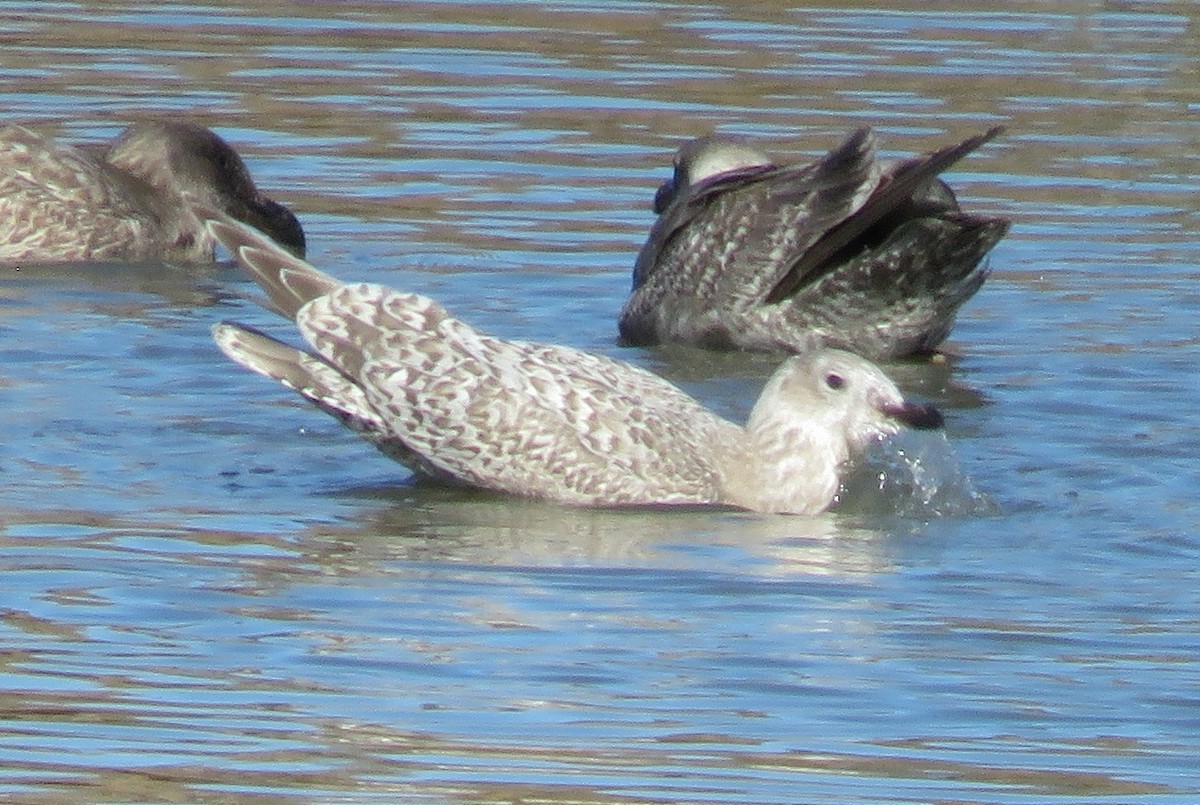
(124,201)
(746,254)
(553,422)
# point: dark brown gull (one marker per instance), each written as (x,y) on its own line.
(553,422)
(746,254)
(125,201)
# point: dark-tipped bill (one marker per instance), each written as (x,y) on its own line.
(919,417)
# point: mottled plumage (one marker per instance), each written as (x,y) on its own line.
(547,421)
(125,201)
(867,257)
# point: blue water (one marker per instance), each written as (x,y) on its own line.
(213,593)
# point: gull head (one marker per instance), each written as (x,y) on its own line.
(819,410)
(706,158)
(840,396)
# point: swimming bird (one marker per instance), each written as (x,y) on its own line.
(552,422)
(747,254)
(124,201)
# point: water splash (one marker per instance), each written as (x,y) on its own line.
(913,475)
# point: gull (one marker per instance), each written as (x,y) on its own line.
(868,257)
(124,201)
(553,422)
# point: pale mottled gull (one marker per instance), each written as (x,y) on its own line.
(746,254)
(124,201)
(553,422)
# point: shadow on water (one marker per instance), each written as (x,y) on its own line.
(899,486)
(423,521)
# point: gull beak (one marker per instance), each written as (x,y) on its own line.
(918,417)
(664,196)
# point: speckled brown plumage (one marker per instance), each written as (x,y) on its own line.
(872,258)
(553,422)
(125,201)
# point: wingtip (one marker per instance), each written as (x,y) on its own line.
(228,337)
(986,137)
(288,280)
(857,146)
(228,334)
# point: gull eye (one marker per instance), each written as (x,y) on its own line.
(835,381)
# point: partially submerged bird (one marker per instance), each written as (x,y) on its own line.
(125,201)
(553,422)
(746,254)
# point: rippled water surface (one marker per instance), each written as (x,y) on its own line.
(213,594)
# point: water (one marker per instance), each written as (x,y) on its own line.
(214,594)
